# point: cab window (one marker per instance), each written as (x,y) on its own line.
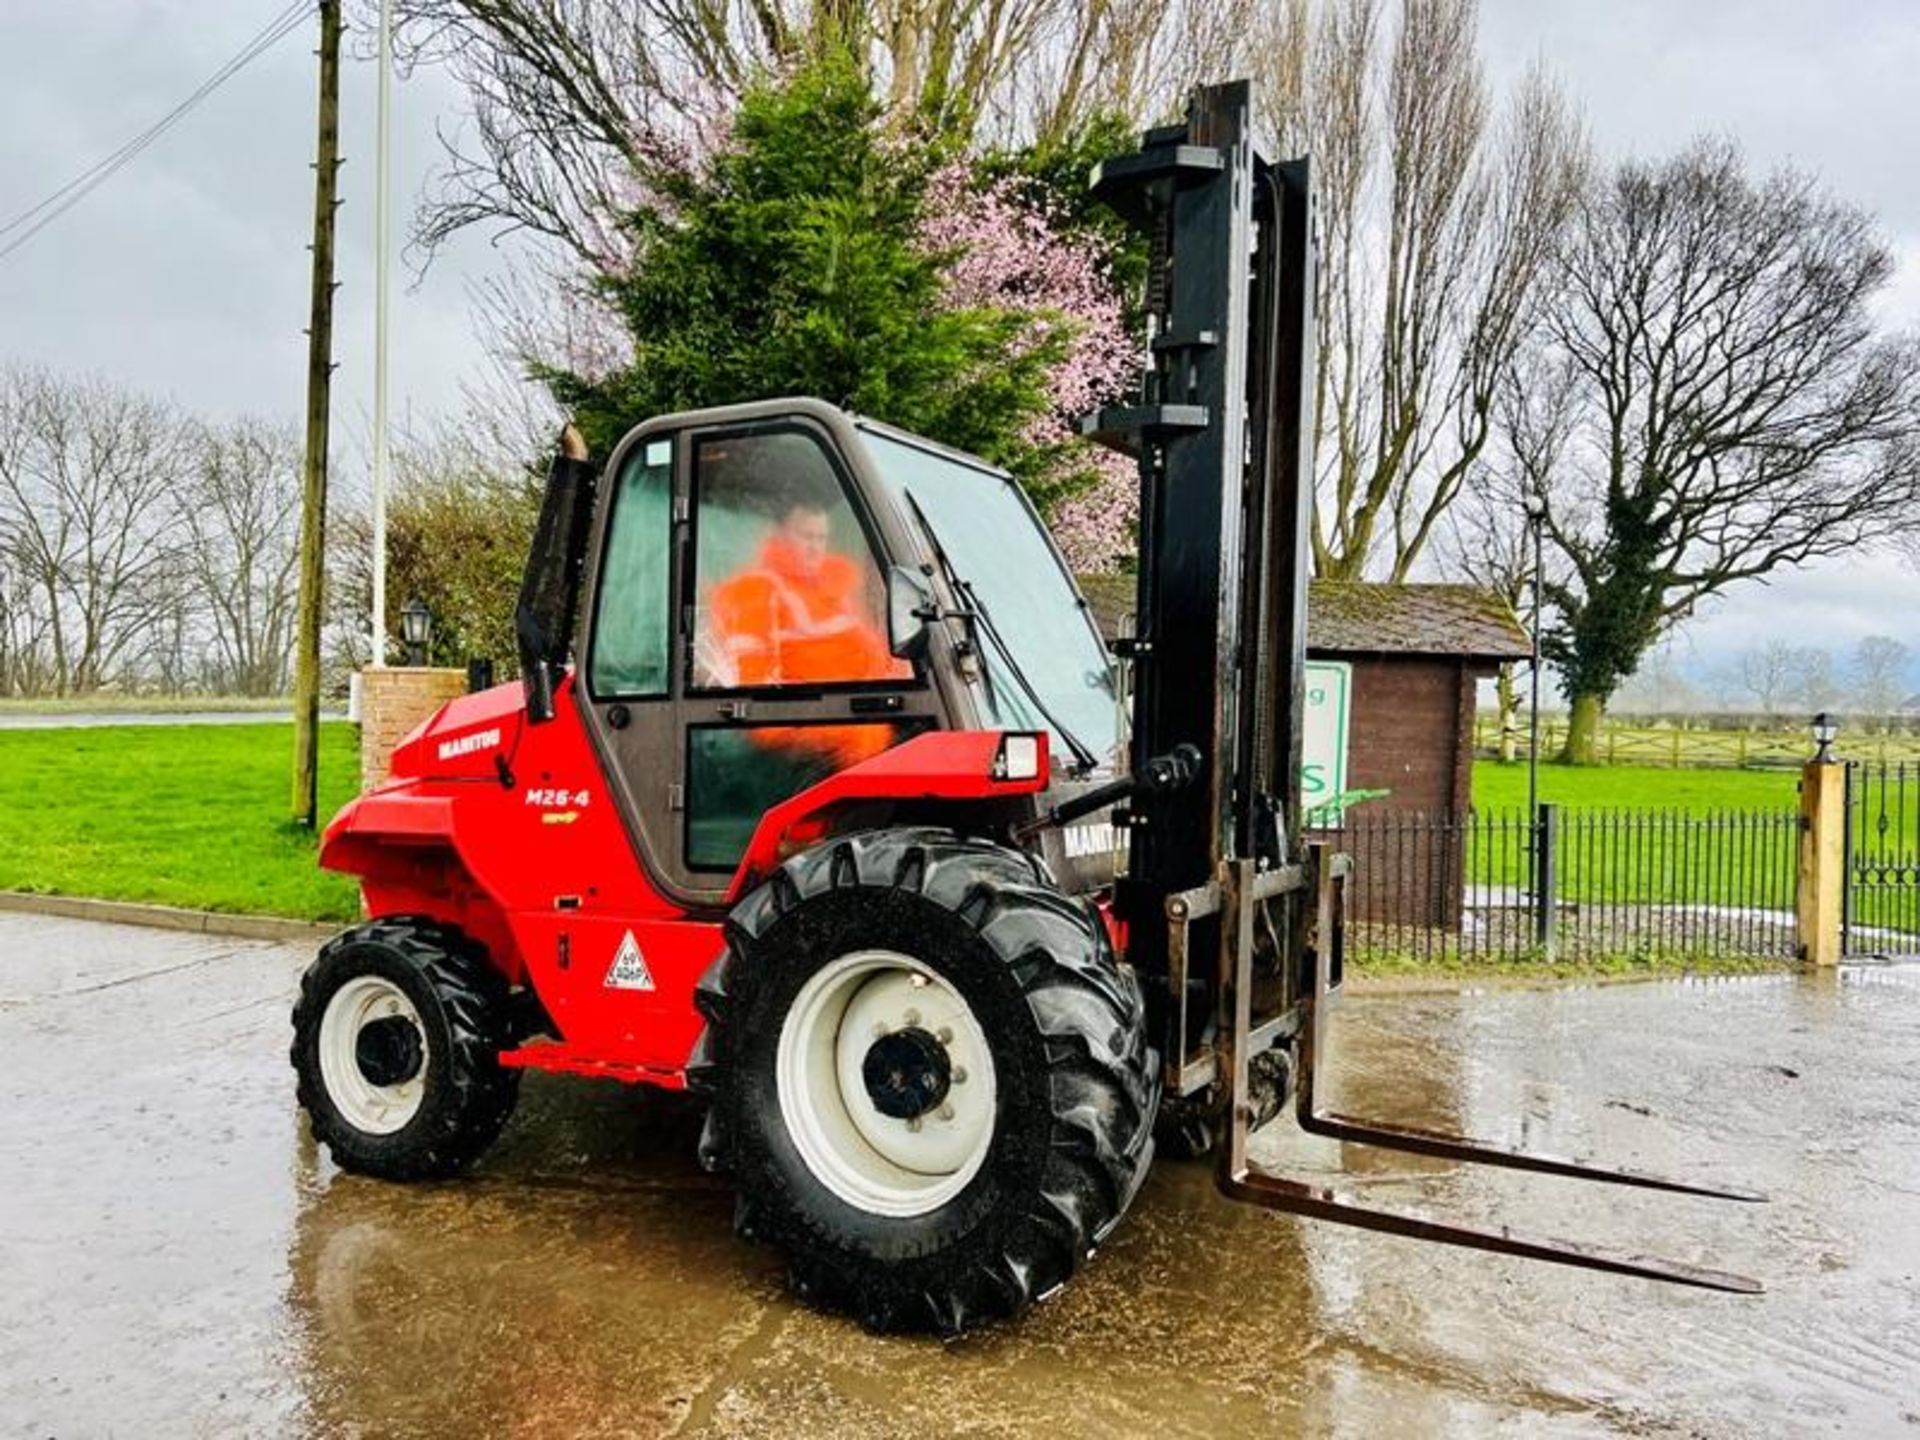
(736,773)
(632,612)
(786,589)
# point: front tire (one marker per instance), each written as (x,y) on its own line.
(930,1078)
(396,1042)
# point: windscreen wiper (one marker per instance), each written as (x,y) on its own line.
(979,622)
(952,577)
(1084,758)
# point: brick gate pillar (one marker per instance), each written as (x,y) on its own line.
(393,700)
(1823,860)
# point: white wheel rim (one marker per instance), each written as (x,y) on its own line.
(375,1109)
(877,1162)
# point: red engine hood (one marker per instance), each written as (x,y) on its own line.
(463,738)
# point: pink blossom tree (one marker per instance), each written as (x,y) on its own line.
(1007,252)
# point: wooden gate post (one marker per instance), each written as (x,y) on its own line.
(1823,860)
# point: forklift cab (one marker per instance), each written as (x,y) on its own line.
(772,592)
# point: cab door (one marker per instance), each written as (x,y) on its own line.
(735,652)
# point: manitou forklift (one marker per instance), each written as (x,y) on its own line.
(820,796)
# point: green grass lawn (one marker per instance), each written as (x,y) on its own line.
(1634,787)
(190,815)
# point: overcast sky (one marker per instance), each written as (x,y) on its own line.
(186,273)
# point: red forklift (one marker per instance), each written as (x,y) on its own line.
(821,796)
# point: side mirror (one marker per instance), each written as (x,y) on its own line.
(910,604)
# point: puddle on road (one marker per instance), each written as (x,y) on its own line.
(175,1256)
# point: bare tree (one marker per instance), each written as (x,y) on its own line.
(1137,58)
(575,105)
(242,518)
(1725,686)
(1438,216)
(24,668)
(1810,684)
(1487,542)
(88,474)
(169,654)
(1766,674)
(1738,410)
(345,643)
(1487,533)
(1878,677)
(1659,686)
(578,106)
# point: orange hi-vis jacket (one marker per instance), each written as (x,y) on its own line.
(779,624)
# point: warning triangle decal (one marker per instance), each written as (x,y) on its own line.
(629,970)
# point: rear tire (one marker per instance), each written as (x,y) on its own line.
(857,984)
(396,1042)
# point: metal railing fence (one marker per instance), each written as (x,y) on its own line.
(1575,885)
(1880,911)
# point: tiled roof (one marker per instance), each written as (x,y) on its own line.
(1414,620)
(1361,618)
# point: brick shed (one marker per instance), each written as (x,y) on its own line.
(1417,653)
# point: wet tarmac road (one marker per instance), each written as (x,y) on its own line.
(176,1258)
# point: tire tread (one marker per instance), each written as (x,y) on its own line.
(472,1000)
(1103,1077)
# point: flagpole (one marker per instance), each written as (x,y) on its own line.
(382,263)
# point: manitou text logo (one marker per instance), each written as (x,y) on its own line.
(467,744)
(1085,840)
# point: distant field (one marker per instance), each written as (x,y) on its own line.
(1667,746)
(1498,786)
(144,704)
(185,815)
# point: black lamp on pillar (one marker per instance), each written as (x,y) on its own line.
(416,628)
(1825,728)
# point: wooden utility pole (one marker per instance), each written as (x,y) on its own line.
(313,508)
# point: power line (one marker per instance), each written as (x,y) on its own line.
(97,172)
(37,217)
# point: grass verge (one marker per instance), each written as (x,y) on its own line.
(1530,966)
(189,815)
(147,705)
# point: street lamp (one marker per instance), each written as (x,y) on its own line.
(1825,728)
(1536,521)
(416,628)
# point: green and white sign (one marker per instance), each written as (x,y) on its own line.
(1323,745)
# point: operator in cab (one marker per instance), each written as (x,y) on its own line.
(801,613)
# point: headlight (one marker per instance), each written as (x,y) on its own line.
(1018,758)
